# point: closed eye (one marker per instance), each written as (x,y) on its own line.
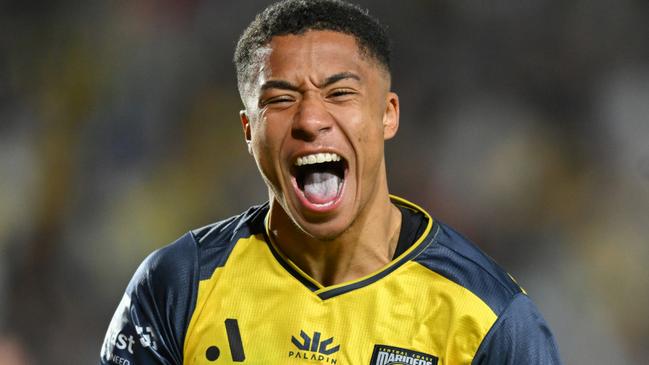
(276,100)
(341,93)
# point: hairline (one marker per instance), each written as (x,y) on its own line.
(260,55)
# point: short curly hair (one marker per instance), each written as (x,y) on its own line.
(298,16)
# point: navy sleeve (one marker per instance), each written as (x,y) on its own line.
(519,336)
(150,322)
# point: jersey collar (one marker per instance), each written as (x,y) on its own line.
(326,292)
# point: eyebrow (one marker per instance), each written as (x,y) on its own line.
(285,85)
(339,76)
(279,84)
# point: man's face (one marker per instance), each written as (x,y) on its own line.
(316,118)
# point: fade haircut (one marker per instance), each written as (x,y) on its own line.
(298,16)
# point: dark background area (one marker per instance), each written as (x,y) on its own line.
(525,125)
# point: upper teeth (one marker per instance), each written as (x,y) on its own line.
(317,158)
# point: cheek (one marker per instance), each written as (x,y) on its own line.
(369,131)
(266,145)
(370,138)
(263,138)
(360,124)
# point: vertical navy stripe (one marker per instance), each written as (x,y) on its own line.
(234,339)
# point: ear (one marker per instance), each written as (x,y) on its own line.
(391,116)
(245,123)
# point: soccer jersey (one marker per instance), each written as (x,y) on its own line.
(224,294)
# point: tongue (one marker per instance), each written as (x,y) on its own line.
(321,187)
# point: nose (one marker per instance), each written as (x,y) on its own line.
(312,118)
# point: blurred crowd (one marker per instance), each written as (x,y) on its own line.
(524,124)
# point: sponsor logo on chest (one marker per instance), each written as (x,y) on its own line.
(314,348)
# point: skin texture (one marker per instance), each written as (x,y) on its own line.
(317,92)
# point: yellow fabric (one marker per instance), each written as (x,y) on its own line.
(411,308)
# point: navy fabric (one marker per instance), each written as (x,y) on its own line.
(150,323)
(519,336)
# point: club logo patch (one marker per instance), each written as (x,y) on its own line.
(390,355)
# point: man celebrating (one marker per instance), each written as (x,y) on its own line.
(332,270)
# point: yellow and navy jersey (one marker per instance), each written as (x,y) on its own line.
(224,294)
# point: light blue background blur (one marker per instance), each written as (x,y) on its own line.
(525,124)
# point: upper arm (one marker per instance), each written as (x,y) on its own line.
(149,324)
(519,336)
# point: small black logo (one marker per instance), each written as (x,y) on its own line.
(212,353)
(390,355)
(313,344)
(312,348)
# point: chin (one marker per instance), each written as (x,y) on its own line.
(322,226)
(325,230)
(323,234)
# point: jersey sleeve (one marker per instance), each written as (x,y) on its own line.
(519,336)
(149,324)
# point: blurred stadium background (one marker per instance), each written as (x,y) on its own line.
(525,124)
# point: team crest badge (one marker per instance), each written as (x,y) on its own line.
(390,355)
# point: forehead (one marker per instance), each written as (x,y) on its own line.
(314,54)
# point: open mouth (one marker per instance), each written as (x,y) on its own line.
(320,178)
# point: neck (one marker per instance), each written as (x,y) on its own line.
(367,245)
